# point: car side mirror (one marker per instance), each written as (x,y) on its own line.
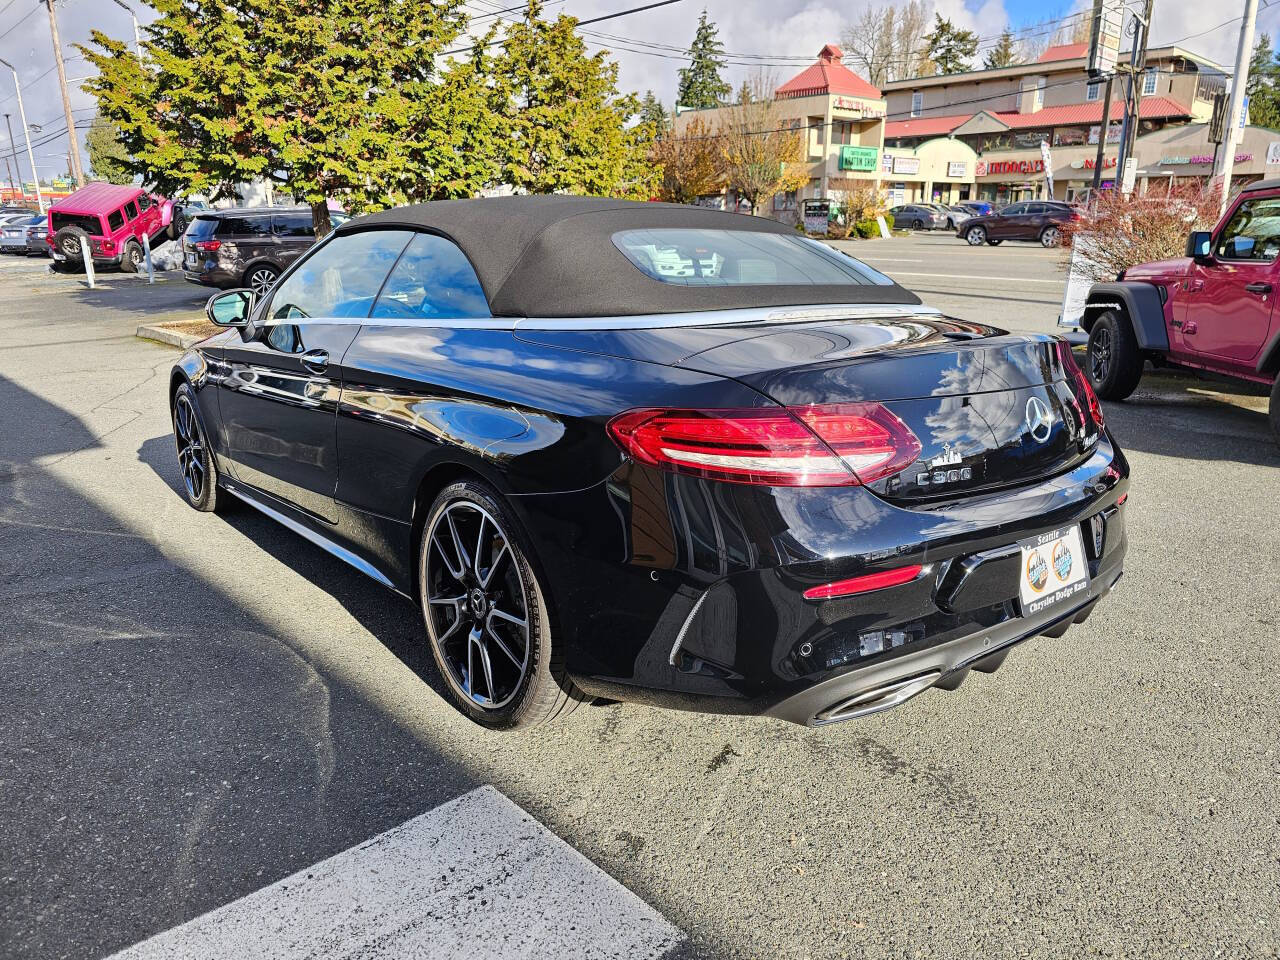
(231,308)
(1198,246)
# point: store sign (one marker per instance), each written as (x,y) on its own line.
(858,158)
(957,169)
(816,215)
(907,165)
(1015,166)
(860,107)
(1089,163)
(980,168)
(1273,152)
(1204,159)
(1113,133)
(886,163)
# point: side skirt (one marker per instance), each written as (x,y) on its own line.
(257,500)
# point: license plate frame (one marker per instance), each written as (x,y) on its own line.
(1054,569)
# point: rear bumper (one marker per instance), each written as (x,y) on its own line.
(709,615)
(211,278)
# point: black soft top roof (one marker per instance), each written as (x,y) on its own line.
(553,256)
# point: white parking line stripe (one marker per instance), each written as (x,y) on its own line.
(972,276)
(476,877)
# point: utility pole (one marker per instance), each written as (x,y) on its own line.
(76,170)
(13,145)
(1133,89)
(22,116)
(1227,162)
(1102,138)
(9,170)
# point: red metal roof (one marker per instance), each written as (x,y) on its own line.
(97,198)
(828,75)
(1071,114)
(1064,51)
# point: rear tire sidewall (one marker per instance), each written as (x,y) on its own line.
(993,243)
(1273,411)
(545,691)
(131,257)
(1123,368)
(207,502)
(1050,237)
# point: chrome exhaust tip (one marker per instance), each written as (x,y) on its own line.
(884,697)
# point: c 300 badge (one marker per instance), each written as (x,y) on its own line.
(945,468)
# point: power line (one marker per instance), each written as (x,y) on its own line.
(580,23)
(17,23)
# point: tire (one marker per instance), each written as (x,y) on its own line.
(195,459)
(1273,411)
(261,278)
(131,258)
(68,243)
(975,236)
(476,617)
(917,224)
(1050,237)
(1114,364)
(993,243)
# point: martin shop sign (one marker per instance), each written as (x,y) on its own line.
(858,158)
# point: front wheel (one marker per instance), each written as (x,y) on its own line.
(1050,237)
(1114,362)
(486,613)
(195,459)
(976,236)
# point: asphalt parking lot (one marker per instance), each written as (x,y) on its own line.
(196,707)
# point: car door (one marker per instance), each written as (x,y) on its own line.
(294,234)
(1230,297)
(1005,223)
(282,381)
(1033,221)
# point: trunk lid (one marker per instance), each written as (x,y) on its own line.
(990,409)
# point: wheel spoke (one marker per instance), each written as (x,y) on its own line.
(452,601)
(454,570)
(488,575)
(516,621)
(502,645)
(487,666)
(464,561)
(475,565)
(471,671)
(453,628)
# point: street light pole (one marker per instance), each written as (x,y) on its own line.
(22,116)
(76,170)
(1226,163)
(137,39)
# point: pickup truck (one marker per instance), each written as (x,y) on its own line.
(1210,310)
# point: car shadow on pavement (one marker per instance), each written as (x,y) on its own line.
(1190,425)
(168,747)
(130,293)
(389,617)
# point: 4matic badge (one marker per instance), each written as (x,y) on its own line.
(945,469)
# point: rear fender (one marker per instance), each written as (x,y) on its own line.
(1269,359)
(1141,302)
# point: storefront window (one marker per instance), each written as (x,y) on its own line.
(1027,139)
(1001,140)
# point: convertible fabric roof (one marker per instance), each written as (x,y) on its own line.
(553,256)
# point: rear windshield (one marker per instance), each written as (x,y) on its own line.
(201,228)
(90,225)
(703,258)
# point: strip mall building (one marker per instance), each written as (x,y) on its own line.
(978,135)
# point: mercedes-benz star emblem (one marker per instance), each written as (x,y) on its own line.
(1039,420)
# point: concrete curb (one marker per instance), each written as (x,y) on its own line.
(160,334)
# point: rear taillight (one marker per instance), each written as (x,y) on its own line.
(864,584)
(1083,388)
(814,446)
(208,246)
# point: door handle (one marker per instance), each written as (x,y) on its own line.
(1258,287)
(315,360)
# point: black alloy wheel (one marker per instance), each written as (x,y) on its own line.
(261,278)
(195,459)
(976,236)
(486,614)
(1114,361)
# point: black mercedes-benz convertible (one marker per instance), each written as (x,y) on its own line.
(659,453)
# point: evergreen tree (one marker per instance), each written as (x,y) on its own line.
(1004,53)
(332,99)
(950,48)
(566,128)
(1264,96)
(108,159)
(700,83)
(653,113)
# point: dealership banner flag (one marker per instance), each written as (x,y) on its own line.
(1047,158)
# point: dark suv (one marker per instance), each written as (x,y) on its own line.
(245,246)
(1027,220)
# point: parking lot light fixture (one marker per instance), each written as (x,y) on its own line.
(137,39)
(22,116)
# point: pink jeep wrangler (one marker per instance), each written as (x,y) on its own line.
(1210,310)
(115,217)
